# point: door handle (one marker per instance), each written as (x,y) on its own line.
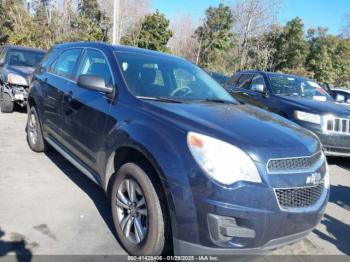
(245,94)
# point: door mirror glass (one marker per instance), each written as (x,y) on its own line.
(340,98)
(94,82)
(258,88)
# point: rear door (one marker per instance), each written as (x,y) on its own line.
(85,111)
(54,85)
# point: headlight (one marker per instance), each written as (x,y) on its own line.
(222,161)
(307,117)
(16,80)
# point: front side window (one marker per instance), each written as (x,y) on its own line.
(167,77)
(244,81)
(65,64)
(296,86)
(95,63)
(27,58)
(258,80)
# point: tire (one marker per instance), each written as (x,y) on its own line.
(35,136)
(149,217)
(5,102)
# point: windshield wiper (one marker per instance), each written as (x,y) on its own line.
(161,99)
(216,100)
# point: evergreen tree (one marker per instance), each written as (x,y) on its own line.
(214,36)
(291,47)
(16,25)
(91,24)
(153,34)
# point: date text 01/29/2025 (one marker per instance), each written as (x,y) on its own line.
(173,258)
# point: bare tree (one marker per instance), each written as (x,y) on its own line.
(183,43)
(346,26)
(131,14)
(253,18)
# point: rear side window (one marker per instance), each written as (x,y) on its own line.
(233,81)
(65,63)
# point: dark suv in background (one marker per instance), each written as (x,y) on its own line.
(300,100)
(16,67)
(187,169)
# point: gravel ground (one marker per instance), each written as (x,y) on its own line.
(48,207)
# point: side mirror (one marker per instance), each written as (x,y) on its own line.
(340,98)
(347,101)
(258,88)
(94,82)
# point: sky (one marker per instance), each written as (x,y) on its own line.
(314,13)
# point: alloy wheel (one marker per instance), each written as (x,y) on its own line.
(32,129)
(132,211)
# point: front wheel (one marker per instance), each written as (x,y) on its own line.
(137,213)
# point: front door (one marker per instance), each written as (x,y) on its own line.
(257,93)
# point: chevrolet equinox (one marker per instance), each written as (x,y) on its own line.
(186,167)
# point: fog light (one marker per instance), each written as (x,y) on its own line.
(225,228)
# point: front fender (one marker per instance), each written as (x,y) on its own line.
(160,148)
(167,153)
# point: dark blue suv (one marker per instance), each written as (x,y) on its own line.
(300,100)
(187,168)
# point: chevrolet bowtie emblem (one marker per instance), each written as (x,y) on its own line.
(314,179)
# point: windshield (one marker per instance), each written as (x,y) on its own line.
(296,86)
(168,79)
(29,58)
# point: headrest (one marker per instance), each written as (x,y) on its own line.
(148,75)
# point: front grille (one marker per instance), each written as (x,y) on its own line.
(298,163)
(338,125)
(299,197)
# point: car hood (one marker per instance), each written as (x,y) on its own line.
(24,71)
(261,134)
(315,106)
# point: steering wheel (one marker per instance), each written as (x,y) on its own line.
(185,89)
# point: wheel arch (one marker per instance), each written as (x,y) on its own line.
(137,154)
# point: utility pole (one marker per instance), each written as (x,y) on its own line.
(116,22)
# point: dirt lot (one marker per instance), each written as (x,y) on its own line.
(48,207)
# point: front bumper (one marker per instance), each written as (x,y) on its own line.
(333,144)
(251,221)
(19,93)
(187,248)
